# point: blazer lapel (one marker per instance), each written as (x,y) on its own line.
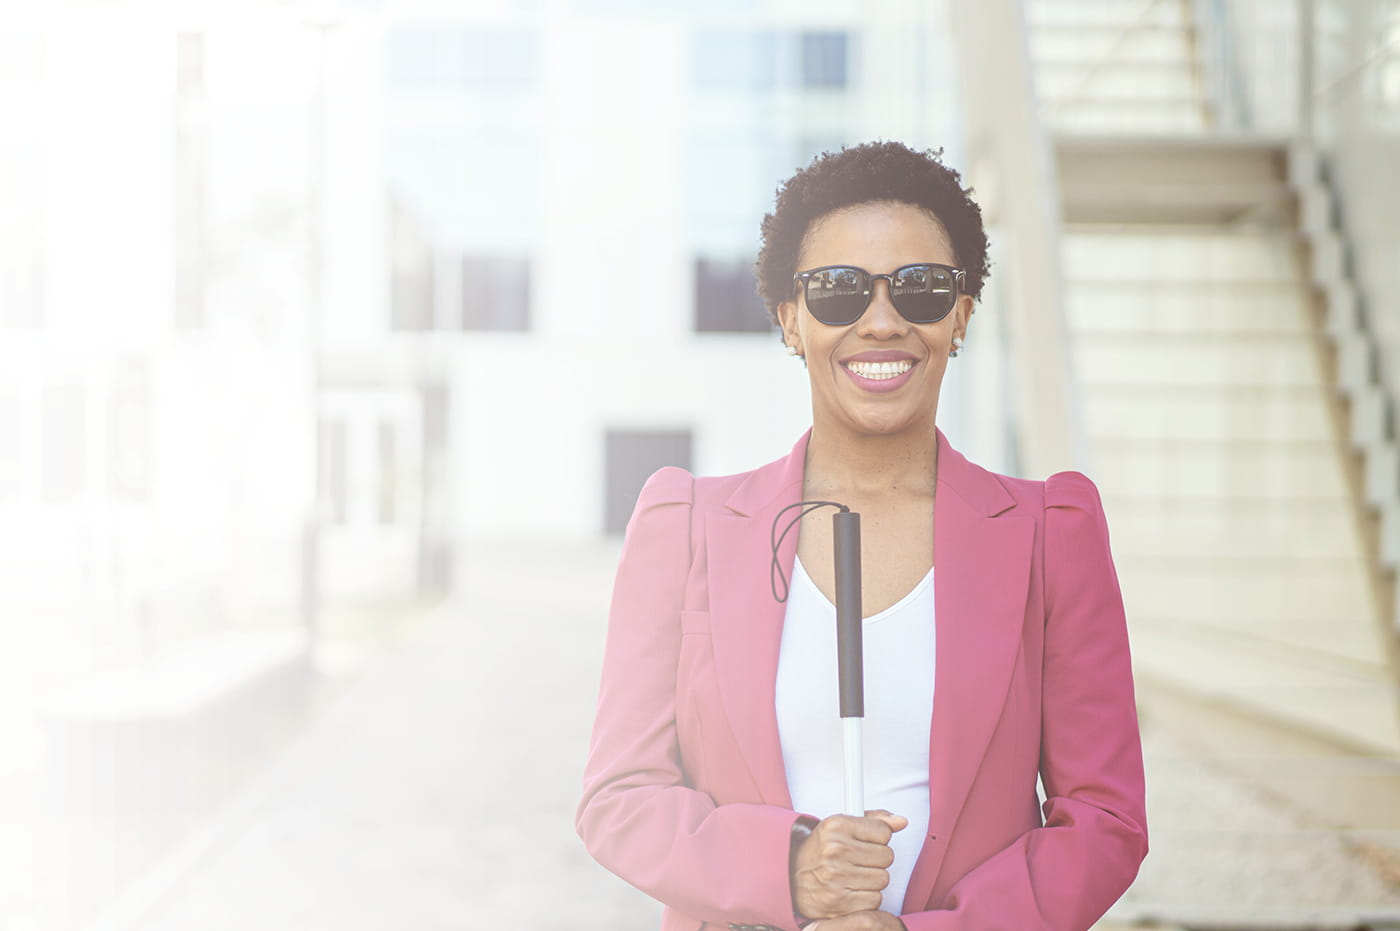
(746,621)
(981,576)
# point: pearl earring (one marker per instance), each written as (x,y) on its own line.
(957,347)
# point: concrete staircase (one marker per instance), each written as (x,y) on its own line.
(1213,427)
(1215,367)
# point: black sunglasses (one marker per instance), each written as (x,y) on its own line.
(922,293)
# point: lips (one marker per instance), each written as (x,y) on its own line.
(879,377)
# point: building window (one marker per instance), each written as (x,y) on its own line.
(763,60)
(735,60)
(632,455)
(495,293)
(824,60)
(725,298)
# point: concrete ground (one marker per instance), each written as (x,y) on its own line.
(438,793)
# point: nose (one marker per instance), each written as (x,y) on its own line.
(881,320)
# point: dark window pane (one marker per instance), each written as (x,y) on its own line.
(632,455)
(725,299)
(731,59)
(495,293)
(824,59)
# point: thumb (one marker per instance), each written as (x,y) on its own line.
(896,822)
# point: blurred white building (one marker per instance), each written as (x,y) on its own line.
(297,297)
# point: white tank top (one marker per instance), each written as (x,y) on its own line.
(899,654)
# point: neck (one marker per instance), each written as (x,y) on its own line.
(870,464)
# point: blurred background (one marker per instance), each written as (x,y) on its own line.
(337,338)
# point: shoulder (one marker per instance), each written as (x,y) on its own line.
(667,485)
(1064,490)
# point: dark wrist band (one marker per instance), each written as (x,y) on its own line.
(802,829)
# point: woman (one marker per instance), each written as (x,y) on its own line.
(995,642)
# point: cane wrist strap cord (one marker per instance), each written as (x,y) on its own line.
(777,539)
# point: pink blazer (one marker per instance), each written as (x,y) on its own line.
(685,794)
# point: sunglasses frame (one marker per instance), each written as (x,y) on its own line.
(958,275)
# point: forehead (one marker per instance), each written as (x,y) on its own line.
(879,237)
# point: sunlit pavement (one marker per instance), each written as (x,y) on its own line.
(438,793)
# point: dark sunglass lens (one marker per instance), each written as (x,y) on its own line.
(923,293)
(836,295)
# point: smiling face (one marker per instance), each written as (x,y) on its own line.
(878,237)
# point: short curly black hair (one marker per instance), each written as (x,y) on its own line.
(873,171)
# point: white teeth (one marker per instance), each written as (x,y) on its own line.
(880,370)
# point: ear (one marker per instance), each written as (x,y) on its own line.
(787,319)
(963,315)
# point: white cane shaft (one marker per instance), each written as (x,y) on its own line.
(855,766)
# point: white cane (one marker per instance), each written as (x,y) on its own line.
(849,654)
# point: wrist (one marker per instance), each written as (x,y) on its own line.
(802,829)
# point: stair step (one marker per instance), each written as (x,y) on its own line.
(1108,360)
(1115,79)
(1358,708)
(1121,116)
(1062,43)
(1110,418)
(1157,309)
(1181,471)
(1348,645)
(1286,593)
(1284,536)
(1222,256)
(1148,179)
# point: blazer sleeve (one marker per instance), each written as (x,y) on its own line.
(1067,873)
(637,816)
